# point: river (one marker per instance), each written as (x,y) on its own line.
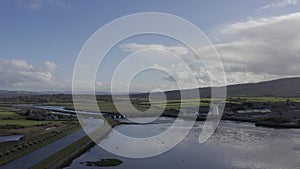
(233,145)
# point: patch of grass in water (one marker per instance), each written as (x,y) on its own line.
(109,162)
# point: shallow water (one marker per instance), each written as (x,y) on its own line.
(58,108)
(10,138)
(233,145)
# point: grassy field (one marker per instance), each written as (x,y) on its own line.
(12,118)
(265,99)
(177,104)
(103,106)
(9,115)
(142,104)
(24,122)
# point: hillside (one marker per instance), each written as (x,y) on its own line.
(16,93)
(287,87)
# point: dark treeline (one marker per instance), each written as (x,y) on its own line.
(48,98)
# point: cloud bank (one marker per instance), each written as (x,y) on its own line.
(19,74)
(279,4)
(253,51)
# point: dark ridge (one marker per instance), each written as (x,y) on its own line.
(287,87)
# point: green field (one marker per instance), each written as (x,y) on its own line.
(263,99)
(143,104)
(12,118)
(10,115)
(23,122)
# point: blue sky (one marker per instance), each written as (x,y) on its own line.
(47,35)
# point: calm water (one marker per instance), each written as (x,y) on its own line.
(234,145)
(10,138)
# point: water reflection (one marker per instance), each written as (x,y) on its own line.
(91,124)
(234,145)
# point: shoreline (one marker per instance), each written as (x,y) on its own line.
(258,123)
(65,156)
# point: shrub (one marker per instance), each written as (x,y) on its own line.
(278,119)
(19,147)
(7,152)
(13,150)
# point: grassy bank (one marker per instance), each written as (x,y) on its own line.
(35,134)
(23,147)
(68,154)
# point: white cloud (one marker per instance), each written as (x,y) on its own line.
(37,4)
(180,76)
(20,75)
(267,45)
(258,49)
(132,47)
(51,66)
(279,4)
(19,64)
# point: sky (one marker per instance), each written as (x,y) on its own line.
(40,41)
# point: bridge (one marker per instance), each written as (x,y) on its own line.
(112,115)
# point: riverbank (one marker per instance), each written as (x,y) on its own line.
(35,134)
(258,122)
(68,154)
(277,125)
(277,122)
(233,145)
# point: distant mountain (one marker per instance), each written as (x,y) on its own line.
(23,93)
(287,87)
(280,87)
(16,93)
